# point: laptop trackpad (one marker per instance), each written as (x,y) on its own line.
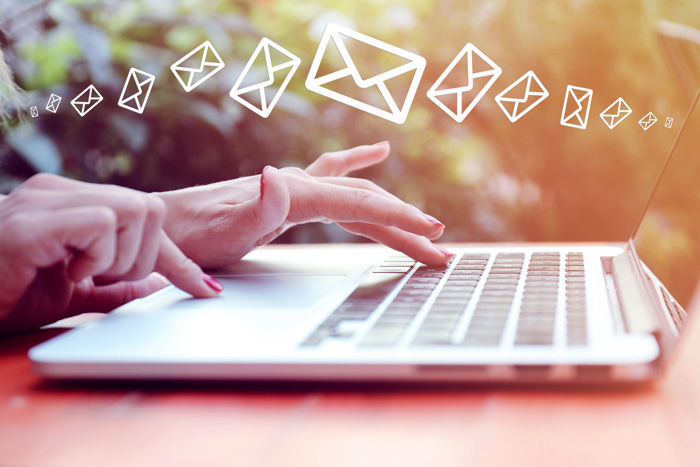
(276,291)
(260,312)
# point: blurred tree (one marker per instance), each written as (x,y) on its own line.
(486,178)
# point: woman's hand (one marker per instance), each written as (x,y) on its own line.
(60,239)
(218,224)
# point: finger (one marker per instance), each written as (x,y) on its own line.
(183,272)
(341,163)
(102,299)
(360,183)
(30,241)
(147,254)
(130,207)
(415,246)
(323,201)
(268,211)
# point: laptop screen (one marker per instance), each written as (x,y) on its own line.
(668,237)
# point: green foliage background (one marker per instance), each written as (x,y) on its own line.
(487,179)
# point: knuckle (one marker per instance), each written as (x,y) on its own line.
(295,171)
(183,267)
(134,207)
(40,180)
(156,208)
(18,229)
(105,219)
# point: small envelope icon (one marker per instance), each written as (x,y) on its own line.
(86,100)
(276,59)
(53,103)
(136,90)
(669,122)
(197,66)
(34,111)
(617,112)
(396,106)
(522,96)
(648,120)
(577,106)
(465,95)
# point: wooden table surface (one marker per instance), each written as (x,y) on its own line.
(149,424)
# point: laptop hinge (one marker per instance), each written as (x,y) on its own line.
(637,309)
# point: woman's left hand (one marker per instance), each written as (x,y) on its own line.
(218,224)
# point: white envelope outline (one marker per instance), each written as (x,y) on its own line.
(616,113)
(34,111)
(264,47)
(136,102)
(534,88)
(397,113)
(211,63)
(84,104)
(53,103)
(669,122)
(576,105)
(648,120)
(461,113)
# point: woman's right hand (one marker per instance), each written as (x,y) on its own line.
(69,247)
(219,224)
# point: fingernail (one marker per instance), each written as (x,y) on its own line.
(443,251)
(434,221)
(212,283)
(383,143)
(262,183)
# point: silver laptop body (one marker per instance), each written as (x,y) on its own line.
(544,313)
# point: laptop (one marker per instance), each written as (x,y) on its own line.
(542,313)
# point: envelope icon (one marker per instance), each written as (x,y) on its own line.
(577,106)
(522,96)
(459,98)
(86,100)
(277,59)
(368,91)
(669,122)
(617,112)
(53,103)
(647,121)
(34,111)
(136,90)
(197,66)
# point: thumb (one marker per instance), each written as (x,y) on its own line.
(102,299)
(267,212)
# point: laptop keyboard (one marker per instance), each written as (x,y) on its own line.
(468,303)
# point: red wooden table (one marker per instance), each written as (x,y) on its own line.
(147,424)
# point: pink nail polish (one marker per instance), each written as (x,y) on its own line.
(443,251)
(212,283)
(383,143)
(262,183)
(434,221)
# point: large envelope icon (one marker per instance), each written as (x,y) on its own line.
(648,120)
(136,90)
(398,106)
(197,66)
(53,103)
(277,59)
(522,96)
(577,106)
(616,113)
(464,96)
(86,100)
